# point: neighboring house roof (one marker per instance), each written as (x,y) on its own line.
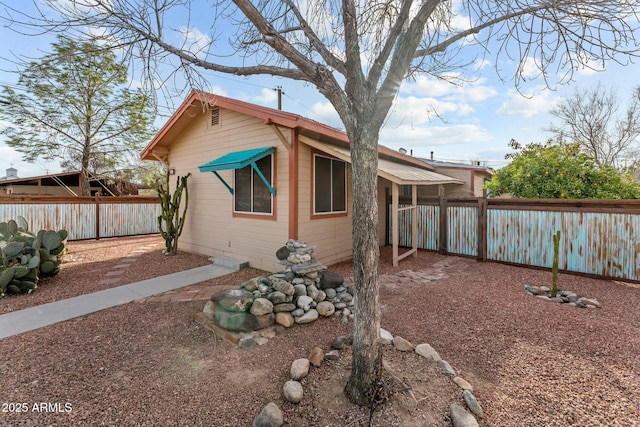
(473,166)
(316,130)
(67,177)
(63,179)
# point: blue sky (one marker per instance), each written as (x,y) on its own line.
(475,120)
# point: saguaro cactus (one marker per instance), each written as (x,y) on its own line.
(170,222)
(554,268)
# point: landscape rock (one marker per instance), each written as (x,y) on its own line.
(242,322)
(447,369)
(316,356)
(299,290)
(236,300)
(293,391)
(428,352)
(283,253)
(285,306)
(308,317)
(312,292)
(284,287)
(461,418)
(247,341)
(261,306)
(304,302)
(472,403)
(385,336)
(251,284)
(463,384)
(285,319)
(338,342)
(309,267)
(332,355)
(270,416)
(325,308)
(277,297)
(209,308)
(299,369)
(401,344)
(330,279)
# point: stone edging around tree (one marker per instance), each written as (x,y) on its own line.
(271,415)
(562,297)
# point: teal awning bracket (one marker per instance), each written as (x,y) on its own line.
(224,182)
(239,160)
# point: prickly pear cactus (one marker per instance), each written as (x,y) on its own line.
(23,253)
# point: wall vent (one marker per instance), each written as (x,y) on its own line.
(215,116)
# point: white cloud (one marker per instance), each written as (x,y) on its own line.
(537,101)
(325,113)
(266,97)
(591,67)
(472,91)
(420,139)
(194,40)
(529,69)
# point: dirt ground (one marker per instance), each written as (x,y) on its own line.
(531,362)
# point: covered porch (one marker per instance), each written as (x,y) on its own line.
(399,175)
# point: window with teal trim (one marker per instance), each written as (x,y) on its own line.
(251,194)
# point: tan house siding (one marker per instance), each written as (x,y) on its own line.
(332,236)
(480,178)
(210,227)
(461,174)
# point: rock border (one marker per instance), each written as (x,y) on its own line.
(293,392)
(570,298)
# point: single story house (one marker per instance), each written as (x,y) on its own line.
(261,176)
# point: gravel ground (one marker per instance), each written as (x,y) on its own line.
(88,261)
(531,362)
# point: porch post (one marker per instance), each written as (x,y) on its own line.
(394,221)
(414,220)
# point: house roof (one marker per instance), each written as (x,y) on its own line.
(455,165)
(402,174)
(197,100)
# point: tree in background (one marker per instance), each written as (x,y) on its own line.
(555,170)
(590,119)
(356,53)
(72,105)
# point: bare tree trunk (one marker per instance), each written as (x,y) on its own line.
(367,357)
(85,186)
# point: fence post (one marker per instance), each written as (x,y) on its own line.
(482,226)
(97,203)
(442,201)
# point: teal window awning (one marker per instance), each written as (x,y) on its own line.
(239,160)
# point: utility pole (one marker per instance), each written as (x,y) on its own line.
(280,93)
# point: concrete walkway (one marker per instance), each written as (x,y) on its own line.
(37,317)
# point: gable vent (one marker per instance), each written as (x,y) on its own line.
(215,116)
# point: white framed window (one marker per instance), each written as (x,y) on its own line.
(329,185)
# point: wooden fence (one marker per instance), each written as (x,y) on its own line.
(599,237)
(85,217)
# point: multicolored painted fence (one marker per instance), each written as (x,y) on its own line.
(598,237)
(85,217)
